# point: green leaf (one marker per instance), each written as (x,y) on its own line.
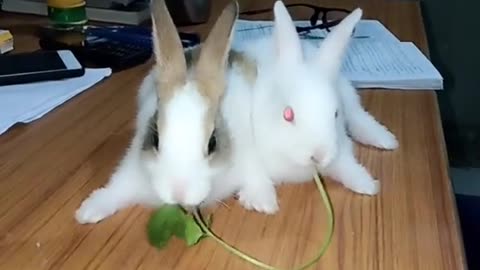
(193,232)
(166,221)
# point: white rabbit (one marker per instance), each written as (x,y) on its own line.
(302,111)
(208,131)
(181,140)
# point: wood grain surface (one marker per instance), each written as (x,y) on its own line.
(48,167)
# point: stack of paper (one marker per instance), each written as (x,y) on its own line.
(6,41)
(372,29)
(24,103)
(390,65)
(375,58)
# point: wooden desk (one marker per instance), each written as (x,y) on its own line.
(48,167)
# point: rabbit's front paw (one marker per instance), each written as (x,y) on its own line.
(262,200)
(386,140)
(95,208)
(371,187)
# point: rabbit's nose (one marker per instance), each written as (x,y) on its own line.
(179,193)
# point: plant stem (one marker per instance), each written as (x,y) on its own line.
(235,251)
(326,200)
(331,219)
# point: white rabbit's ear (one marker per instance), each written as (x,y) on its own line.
(212,62)
(332,50)
(288,49)
(168,49)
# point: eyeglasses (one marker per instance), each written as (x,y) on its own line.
(329,17)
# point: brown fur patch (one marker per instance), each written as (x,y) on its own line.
(207,63)
(171,66)
(212,61)
(224,143)
(247,65)
(214,118)
(151,139)
(151,136)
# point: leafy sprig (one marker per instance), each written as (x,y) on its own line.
(171,220)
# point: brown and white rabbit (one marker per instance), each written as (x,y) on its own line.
(181,140)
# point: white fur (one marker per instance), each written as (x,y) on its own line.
(180,164)
(266,150)
(237,110)
(180,173)
(315,89)
(180,169)
(129,183)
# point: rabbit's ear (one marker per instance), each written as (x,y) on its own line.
(288,49)
(212,62)
(168,49)
(333,49)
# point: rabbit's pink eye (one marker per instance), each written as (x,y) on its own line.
(288,114)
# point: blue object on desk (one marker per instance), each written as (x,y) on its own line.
(117,47)
(139,36)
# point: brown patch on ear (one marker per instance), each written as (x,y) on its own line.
(215,120)
(247,65)
(170,60)
(212,61)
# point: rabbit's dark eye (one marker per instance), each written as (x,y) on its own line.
(151,137)
(154,139)
(212,143)
(336,113)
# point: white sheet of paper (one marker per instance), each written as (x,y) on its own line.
(390,65)
(375,57)
(247,30)
(25,103)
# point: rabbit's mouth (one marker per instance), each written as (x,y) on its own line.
(323,159)
(315,160)
(193,205)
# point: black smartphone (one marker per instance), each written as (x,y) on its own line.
(39,66)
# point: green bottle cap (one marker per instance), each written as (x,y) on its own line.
(67,18)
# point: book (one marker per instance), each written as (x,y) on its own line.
(390,65)
(6,41)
